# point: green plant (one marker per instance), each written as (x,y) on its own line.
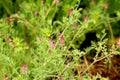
(42,40)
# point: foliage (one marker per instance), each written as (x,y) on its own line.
(42,39)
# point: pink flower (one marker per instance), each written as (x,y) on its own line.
(86,18)
(10,40)
(6,76)
(61,38)
(75,26)
(57,2)
(43,1)
(106,6)
(60,78)
(24,68)
(52,43)
(11,18)
(70,11)
(81,76)
(118,42)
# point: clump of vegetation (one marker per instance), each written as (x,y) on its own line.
(59,40)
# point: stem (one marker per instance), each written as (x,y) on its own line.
(111,32)
(49,9)
(86,62)
(78,32)
(61,34)
(95,62)
(67,67)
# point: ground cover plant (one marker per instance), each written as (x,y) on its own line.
(59,40)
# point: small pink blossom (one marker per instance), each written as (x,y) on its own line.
(11,41)
(118,42)
(43,1)
(6,76)
(24,68)
(61,38)
(106,6)
(57,2)
(86,18)
(75,26)
(70,11)
(60,78)
(52,43)
(81,76)
(11,18)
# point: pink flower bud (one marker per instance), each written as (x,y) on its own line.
(52,43)
(105,6)
(24,66)
(57,2)
(70,11)
(86,18)
(75,26)
(24,69)
(60,78)
(11,18)
(11,41)
(61,38)
(43,1)
(118,42)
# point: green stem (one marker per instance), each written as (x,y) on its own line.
(49,9)
(61,34)
(78,32)
(111,32)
